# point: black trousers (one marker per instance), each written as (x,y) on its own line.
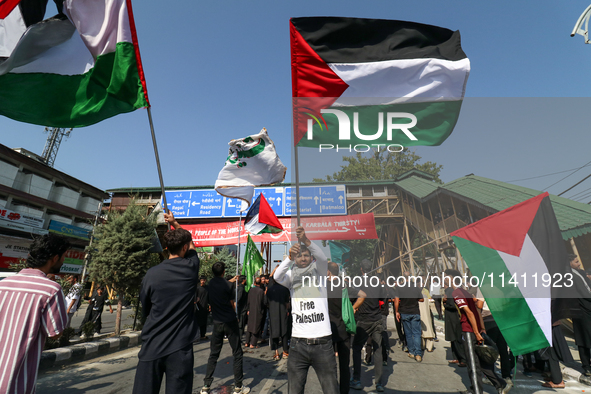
(177,366)
(284,340)
(242,320)
(492,330)
(458,350)
(252,338)
(476,368)
(585,356)
(438,307)
(216,342)
(202,316)
(344,350)
(400,331)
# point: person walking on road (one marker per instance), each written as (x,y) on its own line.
(168,301)
(311,341)
(35,311)
(225,323)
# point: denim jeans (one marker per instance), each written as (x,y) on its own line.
(320,357)
(231,330)
(367,330)
(412,330)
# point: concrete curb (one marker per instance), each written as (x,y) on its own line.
(576,375)
(87,350)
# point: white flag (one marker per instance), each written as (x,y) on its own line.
(251,162)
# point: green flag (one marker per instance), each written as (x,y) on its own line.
(339,253)
(253,261)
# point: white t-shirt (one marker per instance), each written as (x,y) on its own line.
(309,306)
(73,294)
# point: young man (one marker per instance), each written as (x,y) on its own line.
(73,297)
(242,300)
(32,308)
(472,327)
(369,326)
(202,302)
(340,337)
(225,323)
(406,305)
(167,296)
(95,310)
(311,341)
(255,306)
(582,319)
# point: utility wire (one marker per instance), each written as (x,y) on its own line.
(583,166)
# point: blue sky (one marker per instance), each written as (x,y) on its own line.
(221,70)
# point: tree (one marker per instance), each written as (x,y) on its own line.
(225,256)
(120,254)
(381,165)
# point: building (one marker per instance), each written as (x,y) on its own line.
(36,199)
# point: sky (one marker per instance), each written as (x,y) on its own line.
(221,70)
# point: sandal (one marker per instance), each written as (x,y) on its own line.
(285,355)
(453,361)
(276,357)
(551,385)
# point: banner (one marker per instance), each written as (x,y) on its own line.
(74,262)
(339,228)
(12,249)
(15,217)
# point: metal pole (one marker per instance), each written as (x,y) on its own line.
(297,182)
(238,262)
(157,161)
(87,256)
(137,308)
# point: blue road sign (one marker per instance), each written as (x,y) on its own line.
(274,196)
(317,200)
(195,203)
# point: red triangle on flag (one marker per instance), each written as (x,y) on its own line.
(7,6)
(314,84)
(266,214)
(504,231)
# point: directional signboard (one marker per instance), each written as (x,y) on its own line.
(207,203)
(274,196)
(195,203)
(317,200)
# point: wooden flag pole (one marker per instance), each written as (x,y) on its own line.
(157,161)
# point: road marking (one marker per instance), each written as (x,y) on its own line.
(271,379)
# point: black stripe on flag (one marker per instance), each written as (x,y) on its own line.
(357,40)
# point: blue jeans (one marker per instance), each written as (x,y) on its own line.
(412,330)
(320,357)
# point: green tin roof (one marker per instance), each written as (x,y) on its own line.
(574,218)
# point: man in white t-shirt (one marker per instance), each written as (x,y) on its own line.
(304,274)
(73,297)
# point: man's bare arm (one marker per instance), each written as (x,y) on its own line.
(169,218)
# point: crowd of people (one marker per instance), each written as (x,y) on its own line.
(322,326)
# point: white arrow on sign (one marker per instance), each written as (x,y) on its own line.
(278,201)
(195,203)
(340,199)
(229,203)
(316,200)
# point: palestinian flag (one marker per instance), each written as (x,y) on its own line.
(373,81)
(520,259)
(261,218)
(72,70)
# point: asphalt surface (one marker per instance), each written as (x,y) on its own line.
(115,374)
(108,319)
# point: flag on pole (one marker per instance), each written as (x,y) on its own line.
(73,70)
(251,162)
(368,81)
(519,256)
(253,262)
(339,253)
(261,218)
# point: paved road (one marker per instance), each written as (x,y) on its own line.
(108,319)
(115,374)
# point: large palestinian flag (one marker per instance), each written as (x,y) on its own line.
(372,81)
(520,258)
(75,69)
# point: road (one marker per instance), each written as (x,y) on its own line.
(115,374)
(108,319)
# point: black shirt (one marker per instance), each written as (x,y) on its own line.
(409,299)
(335,311)
(98,301)
(220,295)
(168,296)
(370,311)
(203,299)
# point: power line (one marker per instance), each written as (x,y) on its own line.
(583,166)
(576,184)
(542,176)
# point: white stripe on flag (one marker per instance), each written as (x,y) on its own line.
(528,264)
(392,81)
(254,226)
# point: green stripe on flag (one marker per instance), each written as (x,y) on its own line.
(435,122)
(253,261)
(507,305)
(111,87)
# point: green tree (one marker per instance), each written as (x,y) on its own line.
(381,165)
(225,256)
(120,254)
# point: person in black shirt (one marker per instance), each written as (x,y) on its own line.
(95,310)
(242,299)
(202,302)
(167,296)
(225,322)
(369,325)
(408,312)
(255,305)
(340,337)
